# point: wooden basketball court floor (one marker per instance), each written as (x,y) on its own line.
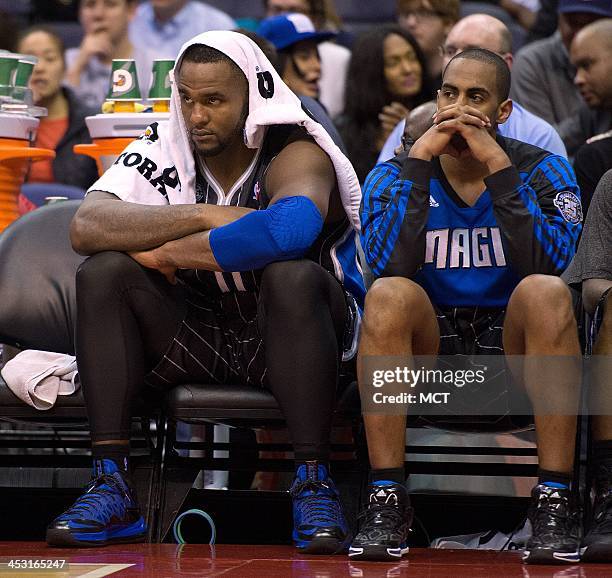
(238,561)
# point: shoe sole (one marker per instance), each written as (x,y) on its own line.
(377,553)
(64,539)
(324,546)
(546,556)
(596,553)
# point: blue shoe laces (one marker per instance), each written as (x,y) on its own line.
(318,503)
(105,495)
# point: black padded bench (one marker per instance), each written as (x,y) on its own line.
(37,267)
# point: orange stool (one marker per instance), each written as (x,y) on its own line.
(103,150)
(15,157)
(110,133)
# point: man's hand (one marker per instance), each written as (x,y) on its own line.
(461,131)
(154,259)
(437,141)
(443,137)
(390,116)
(97,43)
(472,128)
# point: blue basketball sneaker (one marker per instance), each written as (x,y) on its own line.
(107,513)
(319,526)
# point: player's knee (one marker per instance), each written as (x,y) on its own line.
(544,293)
(392,304)
(547,302)
(295,282)
(102,270)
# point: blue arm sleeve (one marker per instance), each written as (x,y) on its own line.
(283,231)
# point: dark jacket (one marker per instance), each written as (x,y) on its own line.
(320,114)
(70,168)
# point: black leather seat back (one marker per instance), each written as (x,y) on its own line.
(37,273)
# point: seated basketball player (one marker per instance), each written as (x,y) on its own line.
(467,233)
(217,262)
(591,271)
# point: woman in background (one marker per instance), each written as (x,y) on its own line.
(387,78)
(296,42)
(64,126)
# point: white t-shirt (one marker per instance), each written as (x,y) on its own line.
(334,68)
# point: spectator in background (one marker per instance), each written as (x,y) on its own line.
(545,22)
(334,58)
(311,104)
(105,26)
(543,77)
(64,125)
(54,10)
(296,40)
(484,31)
(429,21)
(387,78)
(523,11)
(591,162)
(8,32)
(591,54)
(161,27)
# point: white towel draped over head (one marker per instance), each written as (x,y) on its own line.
(270,102)
(159,167)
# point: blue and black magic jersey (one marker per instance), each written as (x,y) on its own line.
(526,221)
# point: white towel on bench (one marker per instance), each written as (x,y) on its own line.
(38,377)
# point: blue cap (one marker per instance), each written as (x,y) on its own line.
(600,7)
(287,29)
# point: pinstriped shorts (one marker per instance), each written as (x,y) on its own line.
(217,342)
(470,330)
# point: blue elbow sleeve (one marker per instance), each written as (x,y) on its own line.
(283,231)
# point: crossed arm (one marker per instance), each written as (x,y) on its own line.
(177,236)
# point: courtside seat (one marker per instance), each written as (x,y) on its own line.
(240,404)
(37,280)
(68,408)
(247,408)
(37,311)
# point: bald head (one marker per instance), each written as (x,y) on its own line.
(601,30)
(420,119)
(479,31)
(591,55)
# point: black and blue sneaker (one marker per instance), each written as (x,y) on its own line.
(107,513)
(319,526)
(555,537)
(597,543)
(386,521)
